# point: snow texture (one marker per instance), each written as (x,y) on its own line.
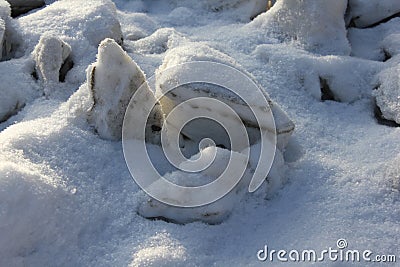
(388,94)
(68,199)
(113,80)
(17,87)
(317,25)
(364,13)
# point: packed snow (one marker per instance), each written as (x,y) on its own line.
(67,197)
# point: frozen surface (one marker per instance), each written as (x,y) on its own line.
(67,198)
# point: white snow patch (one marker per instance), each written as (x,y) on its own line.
(367,12)
(17,86)
(348,78)
(317,25)
(376,43)
(388,93)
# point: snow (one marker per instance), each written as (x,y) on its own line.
(213,213)
(377,43)
(17,86)
(365,13)
(317,25)
(67,197)
(50,54)
(388,93)
(83,25)
(113,80)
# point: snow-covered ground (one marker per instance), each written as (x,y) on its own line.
(68,199)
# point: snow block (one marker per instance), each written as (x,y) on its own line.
(364,13)
(388,94)
(113,79)
(317,25)
(50,54)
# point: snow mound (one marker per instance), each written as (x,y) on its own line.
(160,250)
(36,198)
(50,54)
(75,21)
(388,94)
(317,25)
(83,25)
(244,10)
(112,80)
(364,13)
(339,78)
(378,43)
(159,42)
(212,213)
(17,86)
(197,130)
(136,25)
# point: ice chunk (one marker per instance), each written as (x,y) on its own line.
(113,79)
(50,54)
(318,25)
(200,52)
